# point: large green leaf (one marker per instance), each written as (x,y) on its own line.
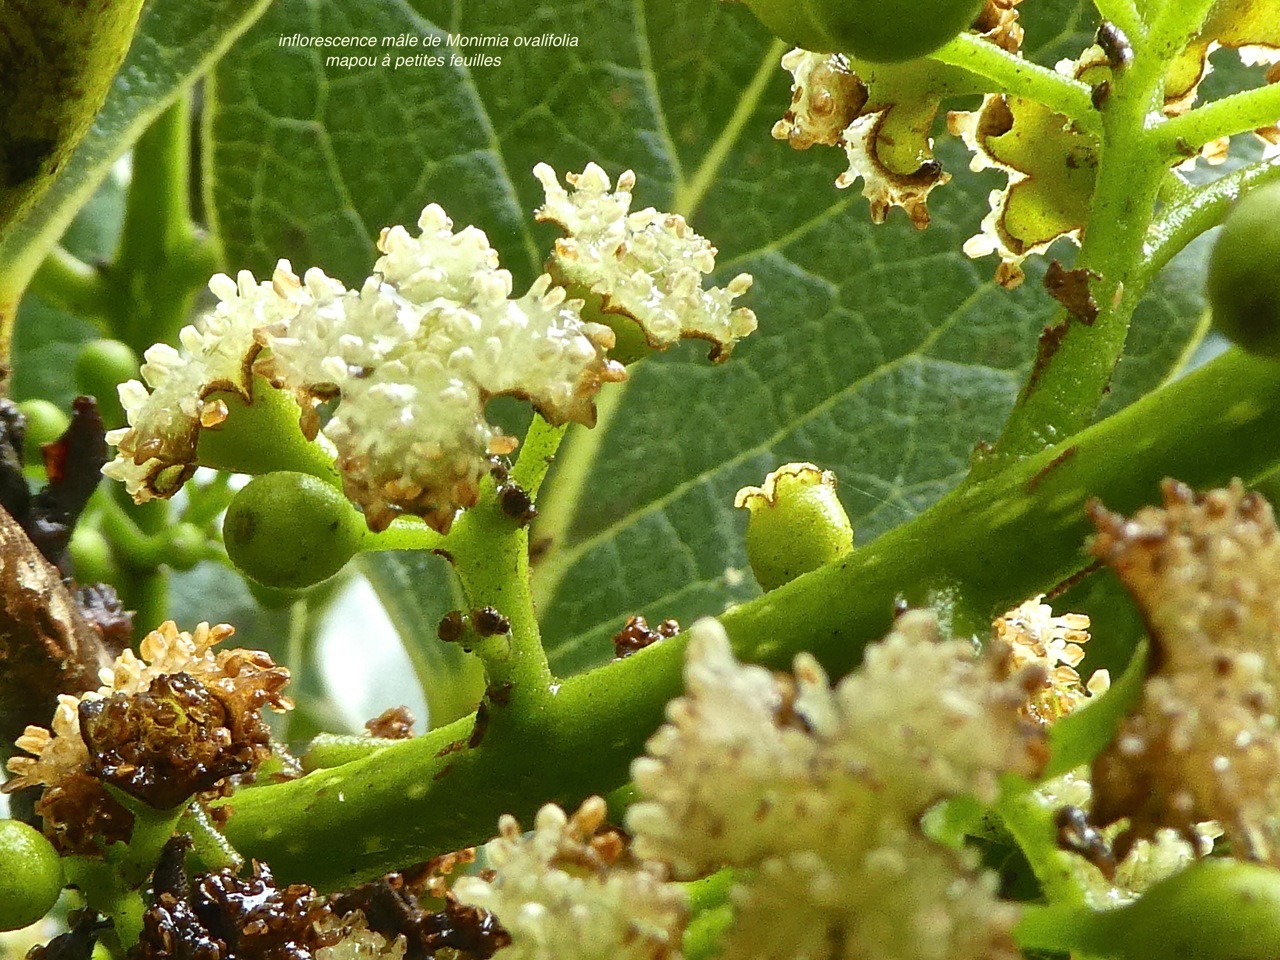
(176,42)
(883,353)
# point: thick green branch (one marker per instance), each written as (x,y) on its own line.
(997,541)
(1006,73)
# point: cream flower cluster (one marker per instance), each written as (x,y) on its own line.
(570,891)
(157,451)
(416,352)
(1204,742)
(819,790)
(646,266)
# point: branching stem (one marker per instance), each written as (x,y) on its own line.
(1006,73)
(997,542)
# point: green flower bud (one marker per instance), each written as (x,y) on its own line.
(797,523)
(880,31)
(30,875)
(1244,285)
(101,366)
(92,559)
(45,424)
(290,530)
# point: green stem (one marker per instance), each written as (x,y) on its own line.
(1124,14)
(1030,822)
(1237,113)
(996,542)
(1006,73)
(1072,370)
(1059,928)
(1199,210)
(68,283)
(209,847)
(163,259)
(404,534)
(704,937)
(537,453)
(489,551)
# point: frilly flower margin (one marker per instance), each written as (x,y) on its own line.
(644,266)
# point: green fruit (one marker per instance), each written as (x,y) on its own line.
(30,875)
(101,366)
(1244,274)
(45,424)
(879,31)
(290,530)
(797,523)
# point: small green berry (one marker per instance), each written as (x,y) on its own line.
(30,875)
(92,559)
(45,424)
(1244,282)
(101,366)
(879,31)
(797,523)
(290,530)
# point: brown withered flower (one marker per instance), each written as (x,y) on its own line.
(163,726)
(221,916)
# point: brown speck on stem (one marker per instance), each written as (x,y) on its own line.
(394,723)
(1071,289)
(488,622)
(637,634)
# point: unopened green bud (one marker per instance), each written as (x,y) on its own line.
(45,424)
(1243,283)
(92,559)
(797,523)
(101,366)
(290,530)
(30,875)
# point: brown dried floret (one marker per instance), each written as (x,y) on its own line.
(224,916)
(221,916)
(391,908)
(130,737)
(164,744)
(78,815)
(1202,745)
(394,723)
